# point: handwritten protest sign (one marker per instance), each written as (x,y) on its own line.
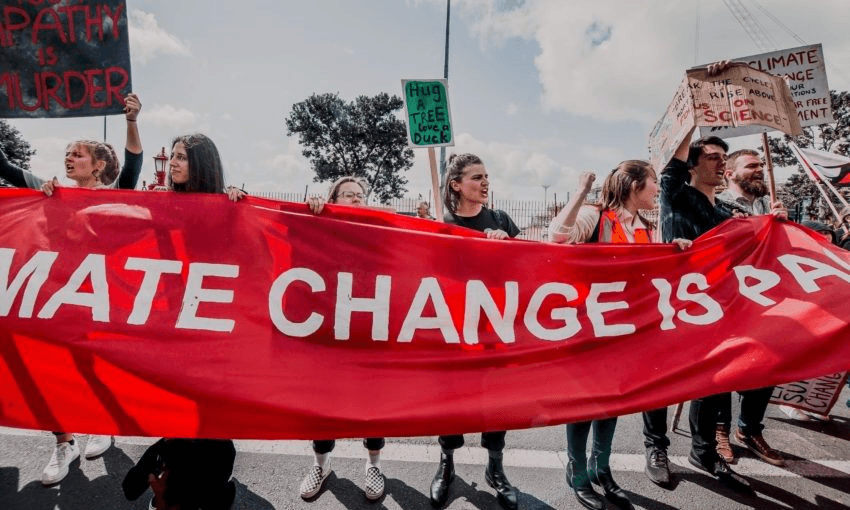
(739,96)
(817,395)
(426,106)
(63,59)
(805,71)
(673,127)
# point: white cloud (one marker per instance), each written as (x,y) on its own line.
(147,38)
(614,60)
(519,170)
(512,109)
(170,117)
(48,159)
(284,170)
(605,155)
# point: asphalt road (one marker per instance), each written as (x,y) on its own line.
(268,473)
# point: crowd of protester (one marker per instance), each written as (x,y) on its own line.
(195,473)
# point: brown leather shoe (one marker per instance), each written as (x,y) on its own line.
(724,449)
(759,446)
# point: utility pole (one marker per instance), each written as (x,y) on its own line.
(445,76)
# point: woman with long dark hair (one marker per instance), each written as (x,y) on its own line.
(466,195)
(189,474)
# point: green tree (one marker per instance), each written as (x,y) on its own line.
(16,148)
(833,137)
(363,138)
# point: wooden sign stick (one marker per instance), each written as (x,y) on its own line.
(435,184)
(768,163)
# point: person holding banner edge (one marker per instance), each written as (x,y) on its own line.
(348,190)
(747,191)
(90,164)
(189,473)
(688,210)
(466,194)
(631,186)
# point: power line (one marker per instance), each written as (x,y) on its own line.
(752,27)
(782,25)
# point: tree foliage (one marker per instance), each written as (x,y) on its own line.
(833,137)
(362,138)
(17,150)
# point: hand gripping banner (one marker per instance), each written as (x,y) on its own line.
(169,314)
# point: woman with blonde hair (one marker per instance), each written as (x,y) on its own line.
(348,190)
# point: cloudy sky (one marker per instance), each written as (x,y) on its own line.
(540,89)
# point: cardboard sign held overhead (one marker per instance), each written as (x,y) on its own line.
(426,107)
(740,96)
(64,60)
(805,71)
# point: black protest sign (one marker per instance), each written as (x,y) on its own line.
(429,120)
(63,59)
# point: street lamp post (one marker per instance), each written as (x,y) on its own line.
(545,194)
(159,162)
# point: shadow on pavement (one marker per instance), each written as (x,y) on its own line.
(76,492)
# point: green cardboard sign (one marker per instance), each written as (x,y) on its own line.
(429,120)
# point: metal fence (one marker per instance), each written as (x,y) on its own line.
(531,216)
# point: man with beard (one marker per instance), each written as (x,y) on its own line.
(747,192)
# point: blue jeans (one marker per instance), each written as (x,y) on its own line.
(603,436)
(753,406)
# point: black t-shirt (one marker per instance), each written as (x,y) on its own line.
(487,219)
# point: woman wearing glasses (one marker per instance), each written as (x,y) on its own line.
(347,190)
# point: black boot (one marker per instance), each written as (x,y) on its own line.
(603,478)
(495,476)
(440,483)
(583,490)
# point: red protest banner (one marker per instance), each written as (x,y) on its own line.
(188,315)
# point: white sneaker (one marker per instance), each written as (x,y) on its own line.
(817,416)
(374,486)
(794,413)
(57,468)
(96,445)
(312,483)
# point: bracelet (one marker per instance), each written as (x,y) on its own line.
(131,120)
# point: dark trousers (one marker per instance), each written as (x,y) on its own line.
(655,429)
(493,441)
(327,445)
(753,406)
(600,451)
(703,422)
